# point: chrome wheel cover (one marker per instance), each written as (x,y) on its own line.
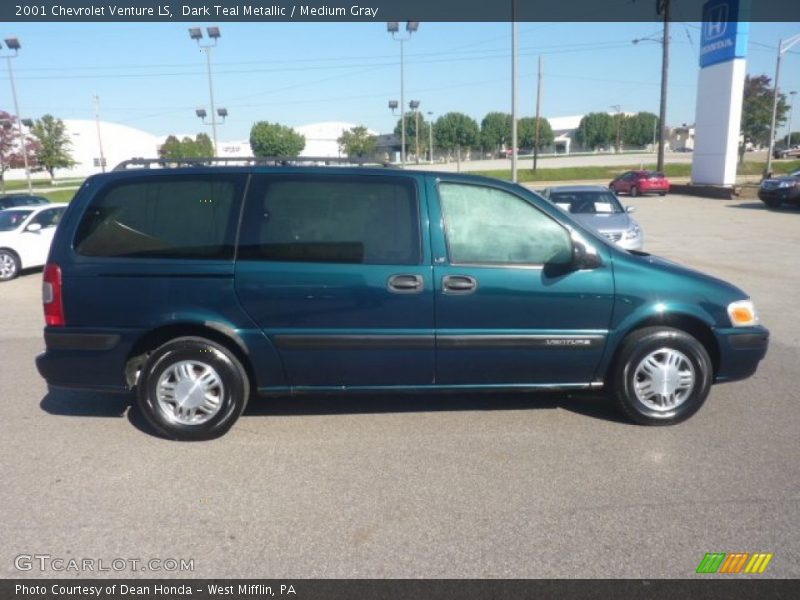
(7,266)
(664,379)
(189,392)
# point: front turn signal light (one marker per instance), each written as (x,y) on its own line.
(742,313)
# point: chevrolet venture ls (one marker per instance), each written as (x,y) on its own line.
(199,287)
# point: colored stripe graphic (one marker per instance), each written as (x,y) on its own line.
(711,562)
(759,562)
(734,562)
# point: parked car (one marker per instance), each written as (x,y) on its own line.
(784,152)
(25,237)
(776,190)
(599,209)
(199,287)
(12,200)
(640,182)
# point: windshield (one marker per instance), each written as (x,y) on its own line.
(11,219)
(587,203)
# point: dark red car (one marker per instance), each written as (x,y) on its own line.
(640,182)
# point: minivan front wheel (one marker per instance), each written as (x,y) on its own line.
(192,389)
(662,376)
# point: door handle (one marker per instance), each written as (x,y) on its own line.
(459,284)
(405,284)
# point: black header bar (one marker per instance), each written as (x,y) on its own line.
(372,10)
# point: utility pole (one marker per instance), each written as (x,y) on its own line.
(538,107)
(514,91)
(663,7)
(99,137)
(430,134)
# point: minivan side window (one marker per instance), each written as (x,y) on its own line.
(486,225)
(340,219)
(163,217)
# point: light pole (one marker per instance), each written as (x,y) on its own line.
(617,108)
(430,134)
(393,105)
(99,137)
(14,45)
(783,48)
(393,27)
(791,109)
(196,33)
(221,113)
(414,105)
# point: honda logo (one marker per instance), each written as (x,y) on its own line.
(716,21)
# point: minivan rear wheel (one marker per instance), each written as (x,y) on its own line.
(662,376)
(192,389)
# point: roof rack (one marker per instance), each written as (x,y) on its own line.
(254,161)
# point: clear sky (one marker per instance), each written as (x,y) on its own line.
(152,76)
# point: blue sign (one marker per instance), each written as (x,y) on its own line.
(724,35)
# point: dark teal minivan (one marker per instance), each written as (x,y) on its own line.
(199,287)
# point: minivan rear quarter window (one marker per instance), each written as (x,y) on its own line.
(370,220)
(163,217)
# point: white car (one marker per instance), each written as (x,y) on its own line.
(25,236)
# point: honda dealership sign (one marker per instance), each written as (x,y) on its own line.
(724,37)
(723,47)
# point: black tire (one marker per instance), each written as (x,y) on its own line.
(9,265)
(231,400)
(662,193)
(772,202)
(635,348)
(634,191)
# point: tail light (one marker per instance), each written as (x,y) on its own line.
(52,298)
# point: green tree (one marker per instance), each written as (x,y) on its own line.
(411,133)
(53,144)
(274,139)
(526,133)
(11,149)
(456,131)
(496,130)
(596,129)
(357,141)
(204,147)
(171,148)
(637,130)
(757,109)
(175,149)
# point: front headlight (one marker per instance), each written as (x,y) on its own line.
(785,184)
(633,232)
(742,313)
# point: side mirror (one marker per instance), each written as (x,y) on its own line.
(34,228)
(581,259)
(630,209)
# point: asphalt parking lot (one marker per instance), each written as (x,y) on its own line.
(453,486)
